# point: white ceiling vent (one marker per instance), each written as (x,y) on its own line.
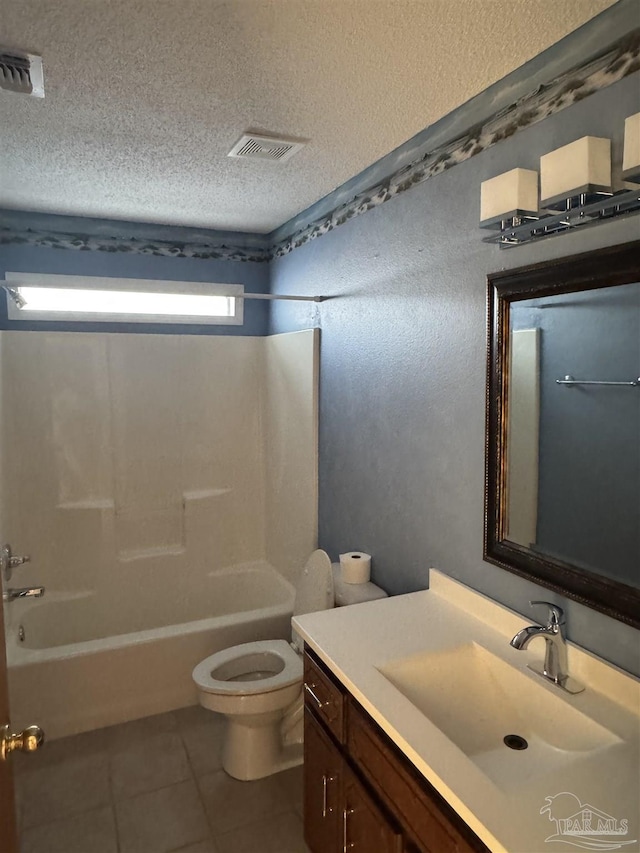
(259,147)
(21,72)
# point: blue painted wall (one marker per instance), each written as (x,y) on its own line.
(254,276)
(403,342)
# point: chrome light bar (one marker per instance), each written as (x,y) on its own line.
(580,212)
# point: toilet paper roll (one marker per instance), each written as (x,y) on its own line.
(356,567)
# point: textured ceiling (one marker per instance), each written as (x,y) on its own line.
(145,97)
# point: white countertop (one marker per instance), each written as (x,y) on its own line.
(354,641)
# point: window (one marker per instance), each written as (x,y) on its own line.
(35,297)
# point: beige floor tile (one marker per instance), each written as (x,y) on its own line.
(162,820)
(204,747)
(291,781)
(278,834)
(19,795)
(200,847)
(196,715)
(136,732)
(91,832)
(23,762)
(62,749)
(154,763)
(65,797)
(230,804)
(60,790)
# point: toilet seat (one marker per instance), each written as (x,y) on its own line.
(257,656)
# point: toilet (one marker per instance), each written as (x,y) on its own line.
(258,687)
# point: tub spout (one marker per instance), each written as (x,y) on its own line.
(23,592)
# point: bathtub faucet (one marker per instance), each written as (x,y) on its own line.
(23,592)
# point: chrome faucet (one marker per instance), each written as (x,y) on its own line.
(8,562)
(23,592)
(555,657)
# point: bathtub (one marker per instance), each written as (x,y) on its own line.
(83,665)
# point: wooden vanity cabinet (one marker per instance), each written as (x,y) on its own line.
(361,793)
(339,812)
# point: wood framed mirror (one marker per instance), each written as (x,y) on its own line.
(562,473)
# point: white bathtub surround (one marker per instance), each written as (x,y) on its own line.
(78,670)
(136,460)
(291,422)
(141,474)
(503,795)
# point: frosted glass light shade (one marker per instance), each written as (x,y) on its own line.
(631,157)
(513,193)
(583,166)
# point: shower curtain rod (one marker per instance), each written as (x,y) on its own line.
(273,296)
(11,289)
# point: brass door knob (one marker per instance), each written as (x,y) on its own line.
(27,740)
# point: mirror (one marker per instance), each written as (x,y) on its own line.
(562,482)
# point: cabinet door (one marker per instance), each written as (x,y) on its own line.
(420,811)
(365,828)
(322,789)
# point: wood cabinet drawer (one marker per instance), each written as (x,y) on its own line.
(324,696)
(429,820)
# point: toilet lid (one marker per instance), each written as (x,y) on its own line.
(314,590)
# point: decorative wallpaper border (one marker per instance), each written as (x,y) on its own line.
(123,245)
(621,60)
(566,89)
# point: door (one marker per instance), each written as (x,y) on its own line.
(28,740)
(8,831)
(364,826)
(322,782)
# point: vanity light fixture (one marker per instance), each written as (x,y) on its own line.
(576,174)
(631,157)
(509,199)
(575,180)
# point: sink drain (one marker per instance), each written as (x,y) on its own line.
(515,742)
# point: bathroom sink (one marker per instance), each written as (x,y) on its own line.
(478,699)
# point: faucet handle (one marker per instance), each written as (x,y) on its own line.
(556,614)
(8,562)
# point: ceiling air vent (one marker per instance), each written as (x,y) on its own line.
(21,72)
(259,147)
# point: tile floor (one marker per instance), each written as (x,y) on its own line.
(152,786)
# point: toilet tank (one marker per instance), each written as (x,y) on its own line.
(353,593)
